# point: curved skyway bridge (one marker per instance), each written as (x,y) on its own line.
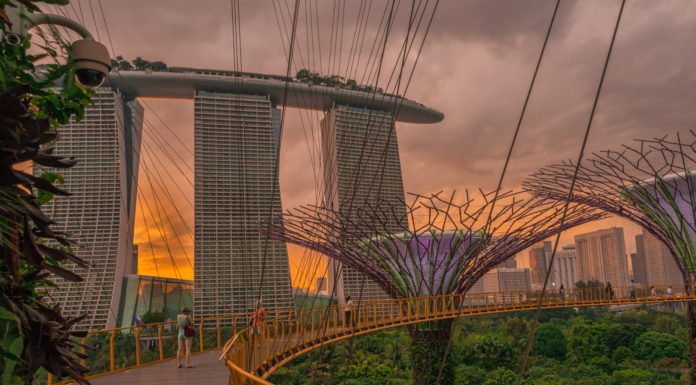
(230,352)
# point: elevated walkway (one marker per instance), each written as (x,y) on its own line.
(253,356)
(144,354)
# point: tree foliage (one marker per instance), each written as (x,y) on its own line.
(138,64)
(306,76)
(549,341)
(480,345)
(152,317)
(493,351)
(34,334)
(652,346)
(622,335)
(585,341)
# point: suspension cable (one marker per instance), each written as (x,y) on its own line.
(509,155)
(525,358)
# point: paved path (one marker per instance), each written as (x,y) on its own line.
(208,371)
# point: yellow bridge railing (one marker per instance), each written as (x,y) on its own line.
(256,352)
(126,348)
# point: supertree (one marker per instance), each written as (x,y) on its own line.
(443,248)
(649,183)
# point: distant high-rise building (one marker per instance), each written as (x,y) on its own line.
(562,271)
(660,267)
(513,279)
(132,266)
(601,255)
(503,279)
(564,267)
(638,262)
(321,284)
(539,257)
(236,183)
(361,164)
(99,215)
(510,263)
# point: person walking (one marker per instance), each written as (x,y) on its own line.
(258,317)
(561,293)
(632,289)
(348,313)
(610,292)
(185,328)
(653,292)
(669,291)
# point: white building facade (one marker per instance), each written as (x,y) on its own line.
(100,213)
(236,186)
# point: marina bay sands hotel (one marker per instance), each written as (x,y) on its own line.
(236,137)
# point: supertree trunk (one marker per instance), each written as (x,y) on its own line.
(691,327)
(428,345)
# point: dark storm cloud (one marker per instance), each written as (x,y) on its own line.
(500,24)
(648,90)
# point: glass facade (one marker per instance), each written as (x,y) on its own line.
(141,294)
(361,164)
(99,215)
(236,188)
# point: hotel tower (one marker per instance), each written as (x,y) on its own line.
(235,140)
(361,165)
(99,215)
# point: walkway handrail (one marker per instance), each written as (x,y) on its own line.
(105,361)
(253,354)
(288,333)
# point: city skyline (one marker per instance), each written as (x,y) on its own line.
(498,65)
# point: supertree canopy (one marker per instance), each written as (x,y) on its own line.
(444,246)
(649,183)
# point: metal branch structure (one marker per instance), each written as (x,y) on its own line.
(650,183)
(443,247)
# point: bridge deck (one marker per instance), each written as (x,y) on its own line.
(287,335)
(208,370)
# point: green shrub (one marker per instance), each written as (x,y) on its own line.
(549,341)
(652,346)
(632,377)
(501,376)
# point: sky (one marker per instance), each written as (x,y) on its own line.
(476,66)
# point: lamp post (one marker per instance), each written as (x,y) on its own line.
(91,58)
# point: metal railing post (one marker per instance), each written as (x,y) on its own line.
(82,350)
(335,317)
(200,333)
(219,337)
(137,346)
(159,339)
(111,349)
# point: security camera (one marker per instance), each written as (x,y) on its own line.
(12,39)
(92,62)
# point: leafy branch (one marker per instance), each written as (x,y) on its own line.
(34,333)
